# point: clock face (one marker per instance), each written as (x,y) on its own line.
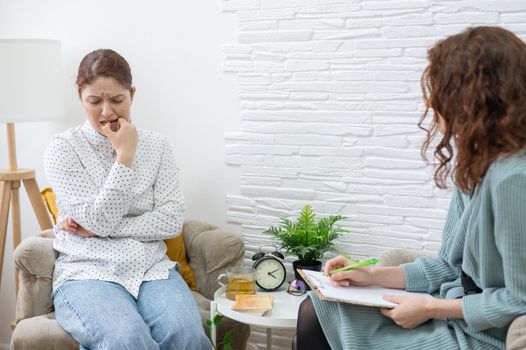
(270,273)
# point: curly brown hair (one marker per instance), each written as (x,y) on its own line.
(476,83)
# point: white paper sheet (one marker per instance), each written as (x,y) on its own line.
(368,296)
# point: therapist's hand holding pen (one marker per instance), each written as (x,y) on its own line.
(385,276)
(359,276)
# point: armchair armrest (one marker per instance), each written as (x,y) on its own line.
(210,252)
(395,257)
(516,337)
(34,263)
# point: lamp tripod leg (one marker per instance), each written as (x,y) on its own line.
(5,196)
(38,205)
(15,219)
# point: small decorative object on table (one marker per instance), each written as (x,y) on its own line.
(270,271)
(307,238)
(297,287)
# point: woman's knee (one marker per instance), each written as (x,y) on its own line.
(110,323)
(177,327)
(182,337)
(307,314)
(309,332)
(129,336)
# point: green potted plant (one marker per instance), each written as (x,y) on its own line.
(307,238)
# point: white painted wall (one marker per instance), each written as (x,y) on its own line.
(270,104)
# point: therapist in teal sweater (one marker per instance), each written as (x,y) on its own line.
(475,92)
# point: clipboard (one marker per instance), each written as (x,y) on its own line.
(371,296)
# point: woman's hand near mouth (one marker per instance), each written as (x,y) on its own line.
(114,124)
(123,138)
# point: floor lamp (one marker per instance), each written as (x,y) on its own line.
(30,91)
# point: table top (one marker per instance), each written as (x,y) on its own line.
(284,313)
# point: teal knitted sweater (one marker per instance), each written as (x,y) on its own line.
(485,235)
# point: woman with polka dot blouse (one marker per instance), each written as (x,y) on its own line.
(119,197)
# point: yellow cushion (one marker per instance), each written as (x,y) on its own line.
(49,198)
(176,251)
(175,248)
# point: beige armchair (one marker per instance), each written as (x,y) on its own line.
(516,338)
(210,252)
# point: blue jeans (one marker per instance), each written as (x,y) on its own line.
(104,315)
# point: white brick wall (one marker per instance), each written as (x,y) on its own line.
(330,98)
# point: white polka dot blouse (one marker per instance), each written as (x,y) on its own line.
(132,210)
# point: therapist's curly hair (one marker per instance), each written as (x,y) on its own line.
(476,82)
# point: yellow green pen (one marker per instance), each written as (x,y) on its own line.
(361,263)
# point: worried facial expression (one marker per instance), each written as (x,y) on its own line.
(105,100)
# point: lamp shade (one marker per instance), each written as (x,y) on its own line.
(31,81)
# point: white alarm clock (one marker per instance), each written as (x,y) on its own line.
(270,271)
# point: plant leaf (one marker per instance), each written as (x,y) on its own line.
(228,337)
(217,319)
(227,340)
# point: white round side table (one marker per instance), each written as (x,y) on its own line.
(284,313)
